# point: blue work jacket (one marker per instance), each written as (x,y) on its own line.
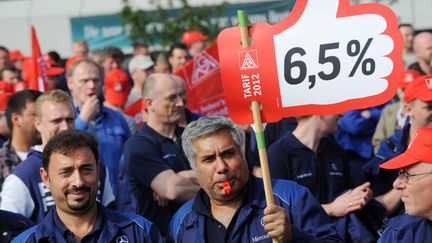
(309,221)
(116,227)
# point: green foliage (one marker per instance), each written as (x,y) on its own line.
(164,27)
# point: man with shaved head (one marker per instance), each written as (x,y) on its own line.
(423,51)
(159,173)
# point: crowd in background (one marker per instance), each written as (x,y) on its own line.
(145,170)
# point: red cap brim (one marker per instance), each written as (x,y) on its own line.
(54,71)
(403,160)
(426,96)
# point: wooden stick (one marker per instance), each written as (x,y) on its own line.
(259,131)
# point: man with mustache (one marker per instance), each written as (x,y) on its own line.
(70,170)
(159,173)
(231,205)
(23,191)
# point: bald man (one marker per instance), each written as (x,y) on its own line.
(159,173)
(423,51)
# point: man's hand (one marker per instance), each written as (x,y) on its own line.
(276,223)
(89,109)
(350,201)
(160,201)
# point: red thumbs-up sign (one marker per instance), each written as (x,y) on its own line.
(326,57)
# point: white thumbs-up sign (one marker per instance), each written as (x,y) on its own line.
(328,57)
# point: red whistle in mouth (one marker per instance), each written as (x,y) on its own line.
(226,187)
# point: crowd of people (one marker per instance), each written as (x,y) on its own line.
(75,168)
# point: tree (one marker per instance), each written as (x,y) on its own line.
(164,26)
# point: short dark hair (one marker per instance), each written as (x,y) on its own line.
(177,46)
(17,103)
(65,142)
(3,48)
(405,25)
(112,51)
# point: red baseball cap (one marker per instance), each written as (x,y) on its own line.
(54,71)
(419,150)
(408,77)
(420,88)
(4,98)
(190,37)
(16,55)
(116,86)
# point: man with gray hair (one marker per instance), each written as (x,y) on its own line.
(231,206)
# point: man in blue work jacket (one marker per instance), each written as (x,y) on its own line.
(109,126)
(70,170)
(414,184)
(23,191)
(231,206)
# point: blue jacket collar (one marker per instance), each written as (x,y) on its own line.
(253,198)
(110,225)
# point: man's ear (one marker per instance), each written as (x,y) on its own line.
(37,123)
(15,118)
(408,107)
(147,102)
(44,176)
(69,82)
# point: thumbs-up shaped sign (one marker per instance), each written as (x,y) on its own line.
(326,57)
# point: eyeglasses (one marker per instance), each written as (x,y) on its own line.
(406,176)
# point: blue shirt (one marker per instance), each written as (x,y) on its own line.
(406,228)
(309,221)
(147,154)
(25,193)
(326,174)
(355,132)
(272,132)
(111,130)
(382,180)
(110,226)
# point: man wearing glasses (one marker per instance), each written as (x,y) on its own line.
(414,183)
(418,106)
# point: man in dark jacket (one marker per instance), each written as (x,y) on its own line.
(414,183)
(231,206)
(70,170)
(11,225)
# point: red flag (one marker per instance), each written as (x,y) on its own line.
(38,75)
(134,110)
(204,84)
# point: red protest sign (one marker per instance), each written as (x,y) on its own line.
(326,57)
(204,84)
